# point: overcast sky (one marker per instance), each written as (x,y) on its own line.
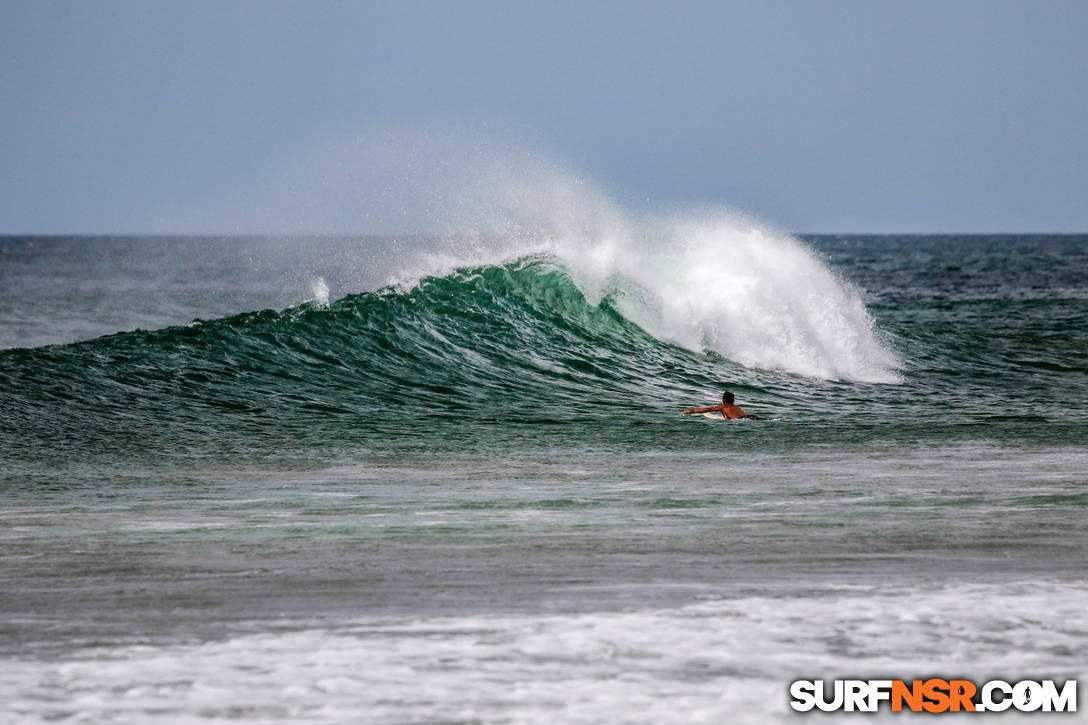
(219,116)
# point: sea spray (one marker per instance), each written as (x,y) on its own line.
(466,195)
(319,291)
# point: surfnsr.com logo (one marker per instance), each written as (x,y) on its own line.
(933,695)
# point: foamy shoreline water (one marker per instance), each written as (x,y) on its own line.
(719,659)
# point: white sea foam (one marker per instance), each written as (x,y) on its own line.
(756,296)
(724,660)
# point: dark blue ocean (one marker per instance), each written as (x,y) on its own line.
(424,479)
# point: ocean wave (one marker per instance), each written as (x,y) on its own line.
(527,339)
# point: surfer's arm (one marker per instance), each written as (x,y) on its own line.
(711,409)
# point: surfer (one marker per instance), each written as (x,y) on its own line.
(727,409)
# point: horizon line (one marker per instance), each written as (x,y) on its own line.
(387,235)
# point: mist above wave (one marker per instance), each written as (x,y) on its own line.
(704,279)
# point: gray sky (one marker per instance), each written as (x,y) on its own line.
(129,117)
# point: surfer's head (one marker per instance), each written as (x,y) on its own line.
(728,398)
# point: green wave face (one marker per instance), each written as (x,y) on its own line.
(516,341)
(515,354)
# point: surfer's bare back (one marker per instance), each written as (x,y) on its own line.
(727,409)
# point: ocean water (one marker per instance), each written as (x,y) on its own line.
(394,480)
